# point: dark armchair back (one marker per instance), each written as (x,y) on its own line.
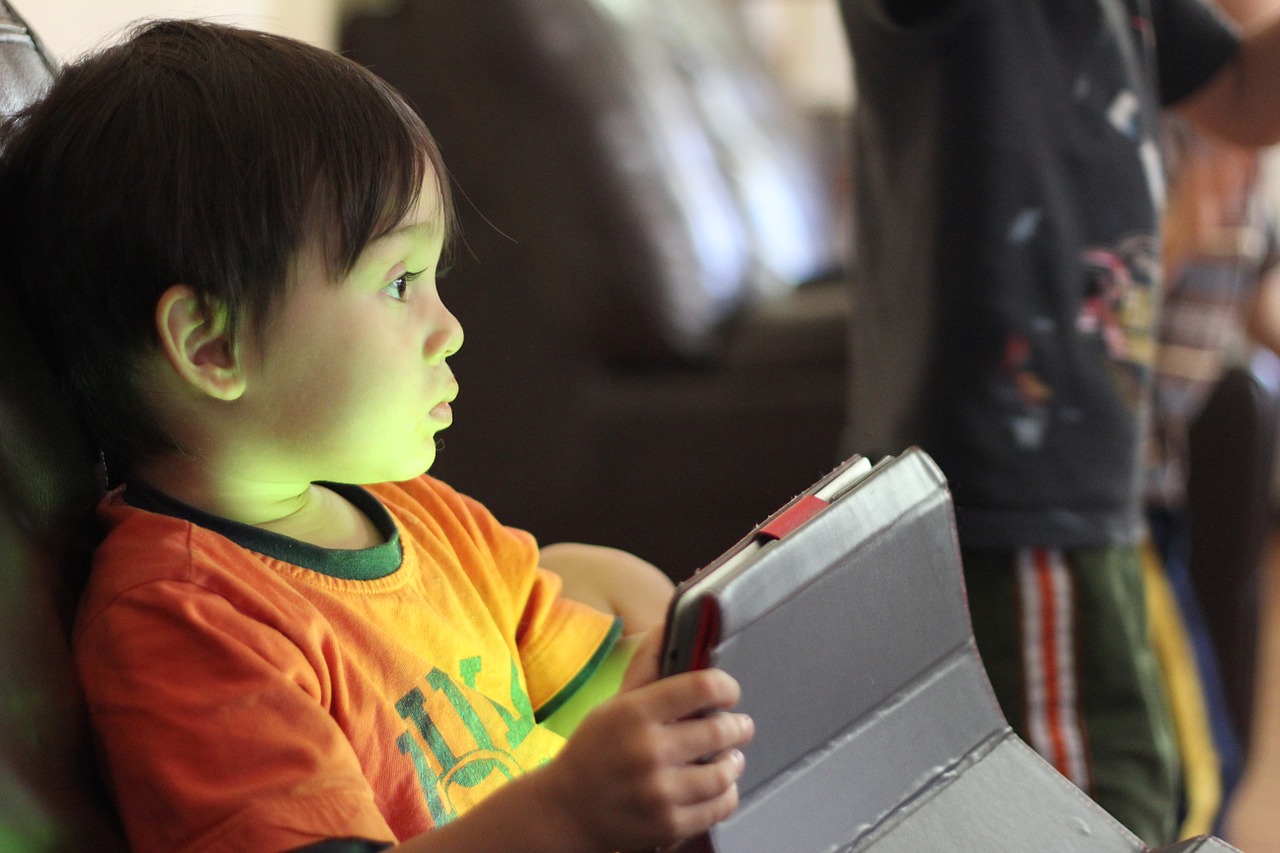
(50,796)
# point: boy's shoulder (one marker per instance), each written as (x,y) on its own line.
(142,547)
(157,543)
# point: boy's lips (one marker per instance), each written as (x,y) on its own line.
(442,411)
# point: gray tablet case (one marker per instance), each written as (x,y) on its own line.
(845,621)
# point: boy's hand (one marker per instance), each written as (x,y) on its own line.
(636,774)
(651,766)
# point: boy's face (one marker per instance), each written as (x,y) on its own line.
(351,384)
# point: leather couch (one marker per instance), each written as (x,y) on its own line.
(648,273)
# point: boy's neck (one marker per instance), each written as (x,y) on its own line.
(304,511)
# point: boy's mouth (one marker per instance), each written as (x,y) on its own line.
(442,411)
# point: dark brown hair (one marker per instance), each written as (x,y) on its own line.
(199,154)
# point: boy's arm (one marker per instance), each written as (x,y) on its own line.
(635,774)
(615,582)
(605,683)
(611,581)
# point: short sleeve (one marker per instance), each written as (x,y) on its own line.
(213,728)
(562,643)
(559,642)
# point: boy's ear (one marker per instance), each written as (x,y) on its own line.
(197,343)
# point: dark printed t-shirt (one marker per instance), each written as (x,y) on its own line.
(1008,179)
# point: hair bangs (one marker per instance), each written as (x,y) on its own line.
(378,159)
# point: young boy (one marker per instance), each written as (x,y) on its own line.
(230,243)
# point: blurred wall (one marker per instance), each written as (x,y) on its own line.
(801,38)
(69,27)
(804,40)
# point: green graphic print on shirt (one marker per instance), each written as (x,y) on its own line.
(469,744)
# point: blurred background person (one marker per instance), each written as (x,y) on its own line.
(1009,186)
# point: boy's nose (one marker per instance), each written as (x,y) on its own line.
(446,339)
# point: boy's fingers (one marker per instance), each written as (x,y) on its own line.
(703,782)
(701,815)
(689,693)
(705,738)
(710,795)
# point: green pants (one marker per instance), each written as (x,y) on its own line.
(1063,636)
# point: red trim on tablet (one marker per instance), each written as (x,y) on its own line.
(708,634)
(805,508)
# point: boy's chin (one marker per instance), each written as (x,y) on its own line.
(406,466)
(410,469)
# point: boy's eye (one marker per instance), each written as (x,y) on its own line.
(399,288)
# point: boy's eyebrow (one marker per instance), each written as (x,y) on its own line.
(428,225)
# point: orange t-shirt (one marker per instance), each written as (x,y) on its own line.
(252,692)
